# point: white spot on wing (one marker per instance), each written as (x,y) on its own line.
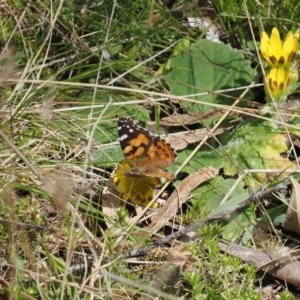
(123,137)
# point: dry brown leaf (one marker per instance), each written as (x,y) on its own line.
(292,221)
(265,240)
(183,139)
(297,143)
(179,196)
(186,119)
(284,267)
(180,250)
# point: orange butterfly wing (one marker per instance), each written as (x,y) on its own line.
(148,154)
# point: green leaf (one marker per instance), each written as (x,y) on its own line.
(240,219)
(202,158)
(277,214)
(237,223)
(295,121)
(207,198)
(210,194)
(256,144)
(107,155)
(109,106)
(184,43)
(208,67)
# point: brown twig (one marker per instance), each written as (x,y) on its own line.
(220,216)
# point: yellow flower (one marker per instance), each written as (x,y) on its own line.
(278,84)
(276,52)
(137,190)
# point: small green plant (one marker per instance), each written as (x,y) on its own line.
(217,275)
(286,295)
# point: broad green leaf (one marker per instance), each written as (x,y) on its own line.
(209,67)
(107,155)
(114,49)
(110,106)
(210,194)
(237,223)
(202,158)
(248,234)
(206,200)
(256,144)
(295,121)
(240,219)
(277,214)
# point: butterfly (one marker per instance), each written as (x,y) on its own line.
(145,153)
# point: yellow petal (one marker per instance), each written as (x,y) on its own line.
(265,45)
(291,46)
(277,84)
(280,76)
(275,43)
